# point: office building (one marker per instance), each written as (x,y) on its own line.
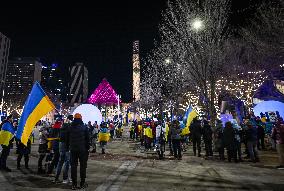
(78,84)
(20,77)
(4,53)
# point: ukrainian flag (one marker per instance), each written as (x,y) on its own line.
(104,136)
(7,133)
(37,105)
(148,132)
(189,116)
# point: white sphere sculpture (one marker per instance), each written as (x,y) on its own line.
(89,112)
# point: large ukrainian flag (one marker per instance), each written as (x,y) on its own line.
(6,133)
(37,105)
(189,116)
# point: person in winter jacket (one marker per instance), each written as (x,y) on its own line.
(148,136)
(219,139)
(77,140)
(7,124)
(64,154)
(153,127)
(158,130)
(42,149)
(252,142)
(237,142)
(278,136)
(104,137)
(169,138)
(54,138)
(229,136)
(260,135)
(176,139)
(196,132)
(94,137)
(23,150)
(111,130)
(207,136)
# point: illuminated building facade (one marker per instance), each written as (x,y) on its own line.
(78,84)
(4,53)
(53,81)
(20,76)
(136,71)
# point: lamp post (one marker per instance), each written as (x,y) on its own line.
(167,61)
(118,106)
(197,25)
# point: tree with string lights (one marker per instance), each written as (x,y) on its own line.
(264,36)
(194,37)
(197,54)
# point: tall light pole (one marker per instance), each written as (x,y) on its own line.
(118,106)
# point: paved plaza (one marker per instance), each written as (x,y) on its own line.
(127,167)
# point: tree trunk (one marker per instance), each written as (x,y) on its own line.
(212,110)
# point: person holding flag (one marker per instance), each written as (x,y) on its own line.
(23,150)
(6,138)
(176,139)
(148,135)
(104,136)
(37,105)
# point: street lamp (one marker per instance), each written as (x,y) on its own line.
(167,61)
(197,24)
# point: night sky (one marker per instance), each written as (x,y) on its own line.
(99,35)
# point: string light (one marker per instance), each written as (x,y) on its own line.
(104,94)
(242,88)
(10,108)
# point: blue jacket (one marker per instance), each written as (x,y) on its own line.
(104,130)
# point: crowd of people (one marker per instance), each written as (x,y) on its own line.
(61,146)
(237,139)
(65,143)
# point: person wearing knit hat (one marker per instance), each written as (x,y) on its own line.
(77,116)
(78,141)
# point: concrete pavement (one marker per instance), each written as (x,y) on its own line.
(126,168)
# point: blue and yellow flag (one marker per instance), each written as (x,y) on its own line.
(148,132)
(37,105)
(189,116)
(6,133)
(104,136)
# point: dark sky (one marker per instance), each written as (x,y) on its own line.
(100,35)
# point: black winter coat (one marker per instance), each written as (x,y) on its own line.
(22,149)
(207,132)
(195,129)
(63,132)
(77,137)
(228,136)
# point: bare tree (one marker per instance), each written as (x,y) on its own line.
(264,36)
(194,36)
(164,77)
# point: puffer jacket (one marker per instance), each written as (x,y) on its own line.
(63,130)
(175,133)
(228,136)
(207,132)
(195,129)
(77,137)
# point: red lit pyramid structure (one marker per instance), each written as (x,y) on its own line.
(104,94)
